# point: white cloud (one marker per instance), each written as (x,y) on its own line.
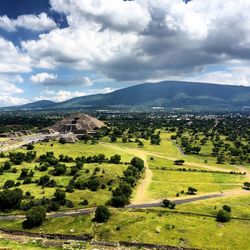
(31,22)
(43,77)
(12,59)
(11,100)
(59,96)
(115,15)
(8,90)
(144,39)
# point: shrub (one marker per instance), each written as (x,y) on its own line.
(102,214)
(10,199)
(30,146)
(35,217)
(9,184)
(168,204)
(227,208)
(223,216)
(7,165)
(60,196)
(191,190)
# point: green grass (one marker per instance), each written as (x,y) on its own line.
(8,244)
(240,206)
(167,183)
(161,227)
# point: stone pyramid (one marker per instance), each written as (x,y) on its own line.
(77,123)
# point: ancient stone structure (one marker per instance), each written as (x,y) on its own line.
(78,124)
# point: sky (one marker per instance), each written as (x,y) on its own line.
(59,49)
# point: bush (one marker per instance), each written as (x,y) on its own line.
(60,196)
(102,214)
(7,165)
(223,216)
(192,190)
(35,217)
(10,199)
(168,204)
(30,146)
(9,184)
(227,208)
(69,204)
(53,206)
(84,203)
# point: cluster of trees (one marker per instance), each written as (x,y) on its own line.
(187,146)
(155,139)
(121,195)
(26,120)
(18,158)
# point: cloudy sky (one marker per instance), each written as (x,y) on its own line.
(59,49)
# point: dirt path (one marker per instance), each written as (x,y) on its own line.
(135,151)
(141,190)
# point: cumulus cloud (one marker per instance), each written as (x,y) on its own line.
(58,96)
(8,91)
(43,77)
(144,39)
(31,22)
(49,79)
(12,59)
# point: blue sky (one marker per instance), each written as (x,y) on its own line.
(60,49)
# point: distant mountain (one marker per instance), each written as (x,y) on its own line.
(168,94)
(44,104)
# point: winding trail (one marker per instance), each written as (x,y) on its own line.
(141,190)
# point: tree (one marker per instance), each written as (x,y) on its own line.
(10,199)
(227,208)
(35,217)
(138,163)
(9,184)
(220,159)
(179,162)
(223,216)
(168,203)
(59,169)
(191,190)
(30,146)
(115,159)
(246,185)
(60,196)
(102,214)
(7,165)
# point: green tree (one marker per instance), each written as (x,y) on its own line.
(35,217)
(102,214)
(223,216)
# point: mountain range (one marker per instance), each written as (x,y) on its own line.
(167,94)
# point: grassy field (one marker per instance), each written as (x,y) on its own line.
(107,171)
(159,226)
(240,206)
(169,183)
